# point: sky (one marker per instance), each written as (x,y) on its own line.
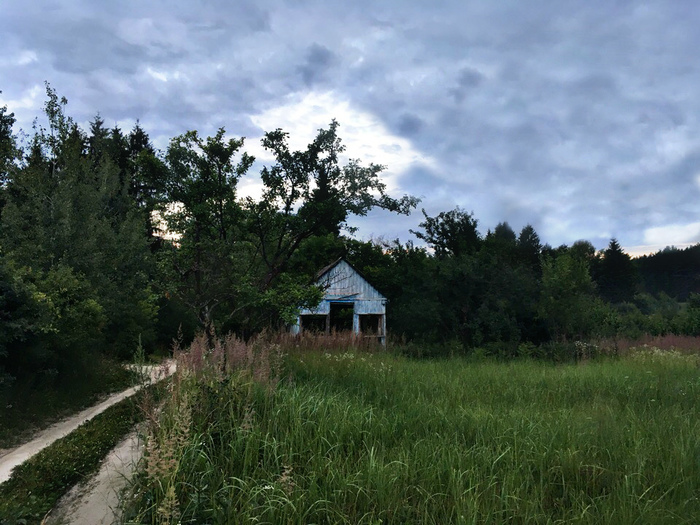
(581,118)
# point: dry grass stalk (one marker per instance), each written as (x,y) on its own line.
(684,344)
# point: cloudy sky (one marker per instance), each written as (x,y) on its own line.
(581,118)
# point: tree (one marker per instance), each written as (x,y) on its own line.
(529,248)
(148,176)
(8,149)
(618,277)
(69,219)
(567,301)
(503,243)
(692,315)
(406,274)
(451,233)
(209,264)
(672,271)
(19,319)
(583,250)
(323,192)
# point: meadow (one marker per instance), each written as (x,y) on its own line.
(261,433)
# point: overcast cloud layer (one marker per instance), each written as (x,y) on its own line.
(580,118)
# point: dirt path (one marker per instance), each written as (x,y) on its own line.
(96,501)
(44,438)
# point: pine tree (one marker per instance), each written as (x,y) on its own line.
(618,278)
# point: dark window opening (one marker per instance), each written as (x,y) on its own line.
(371,324)
(341,316)
(313,323)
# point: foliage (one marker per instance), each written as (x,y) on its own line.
(365,438)
(451,233)
(673,271)
(618,277)
(34,401)
(8,150)
(567,302)
(106,241)
(482,292)
(205,266)
(68,220)
(324,193)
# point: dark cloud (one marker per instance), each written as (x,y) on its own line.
(581,118)
(422,181)
(409,125)
(467,80)
(318,60)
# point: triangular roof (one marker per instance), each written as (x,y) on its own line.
(325,270)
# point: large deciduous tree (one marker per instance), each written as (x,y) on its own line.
(451,233)
(239,253)
(209,259)
(309,193)
(567,297)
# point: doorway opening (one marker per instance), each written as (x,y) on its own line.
(342,316)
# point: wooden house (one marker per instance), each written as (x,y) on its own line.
(350,302)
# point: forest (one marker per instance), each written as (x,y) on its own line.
(87,271)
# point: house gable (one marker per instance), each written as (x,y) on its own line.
(343,282)
(346,289)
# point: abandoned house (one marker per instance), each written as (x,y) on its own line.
(349,303)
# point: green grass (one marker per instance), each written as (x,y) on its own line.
(361,438)
(37,484)
(31,404)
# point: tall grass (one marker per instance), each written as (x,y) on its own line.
(361,437)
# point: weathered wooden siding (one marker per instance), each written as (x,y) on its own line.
(370,307)
(342,281)
(343,284)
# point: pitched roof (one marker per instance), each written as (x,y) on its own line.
(323,271)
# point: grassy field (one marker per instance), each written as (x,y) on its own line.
(354,438)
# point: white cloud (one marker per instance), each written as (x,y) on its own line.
(28,100)
(26,57)
(674,234)
(363,134)
(513,109)
(250,186)
(163,76)
(22,58)
(650,249)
